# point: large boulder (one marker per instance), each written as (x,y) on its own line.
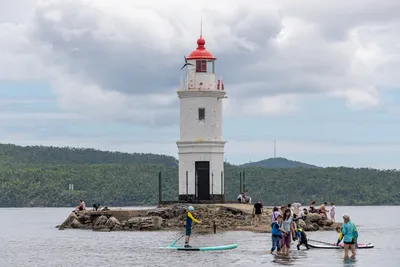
(329,223)
(144,223)
(76,224)
(83,218)
(112,222)
(301,223)
(314,217)
(67,223)
(100,223)
(168,212)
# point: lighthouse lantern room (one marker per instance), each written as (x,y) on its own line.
(201,146)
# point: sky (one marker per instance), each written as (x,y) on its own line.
(319,77)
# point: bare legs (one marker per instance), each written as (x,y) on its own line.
(346,251)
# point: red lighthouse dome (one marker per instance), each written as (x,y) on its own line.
(201,52)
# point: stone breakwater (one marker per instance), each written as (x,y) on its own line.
(225,217)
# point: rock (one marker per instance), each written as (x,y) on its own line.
(145,223)
(315,226)
(83,218)
(117,227)
(329,223)
(165,213)
(76,223)
(102,229)
(111,222)
(101,221)
(313,217)
(301,223)
(68,221)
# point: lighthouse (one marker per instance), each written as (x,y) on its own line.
(201,146)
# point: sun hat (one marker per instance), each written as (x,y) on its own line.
(346,216)
(191,208)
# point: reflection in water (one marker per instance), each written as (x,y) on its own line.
(349,262)
(291,259)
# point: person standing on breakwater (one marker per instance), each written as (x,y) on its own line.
(257,212)
(350,235)
(323,211)
(332,212)
(189,220)
(296,207)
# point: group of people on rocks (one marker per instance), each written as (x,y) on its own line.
(322,210)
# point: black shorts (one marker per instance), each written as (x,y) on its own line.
(188,231)
(349,243)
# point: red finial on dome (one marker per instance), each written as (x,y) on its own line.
(201,52)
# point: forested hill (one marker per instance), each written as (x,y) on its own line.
(278,163)
(14,154)
(40,176)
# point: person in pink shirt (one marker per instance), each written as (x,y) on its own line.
(82,206)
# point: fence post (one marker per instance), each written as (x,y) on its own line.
(244,182)
(196,189)
(187,185)
(222,186)
(159,188)
(240,190)
(212,184)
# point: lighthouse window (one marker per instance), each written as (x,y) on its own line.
(201,65)
(202,114)
(210,66)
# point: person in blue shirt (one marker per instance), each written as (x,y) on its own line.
(189,220)
(350,235)
(277,234)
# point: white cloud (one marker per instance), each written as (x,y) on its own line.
(129,49)
(119,61)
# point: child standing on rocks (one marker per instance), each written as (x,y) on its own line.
(277,234)
(189,221)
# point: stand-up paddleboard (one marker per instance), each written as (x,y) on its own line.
(225,247)
(326,246)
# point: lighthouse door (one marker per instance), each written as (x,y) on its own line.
(202,180)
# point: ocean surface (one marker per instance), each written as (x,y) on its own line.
(28,237)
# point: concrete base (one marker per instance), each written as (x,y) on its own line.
(192,199)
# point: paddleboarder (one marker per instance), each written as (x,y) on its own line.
(189,220)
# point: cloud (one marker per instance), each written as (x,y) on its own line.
(119,61)
(126,52)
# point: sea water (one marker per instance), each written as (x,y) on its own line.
(28,237)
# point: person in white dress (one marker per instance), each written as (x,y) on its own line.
(296,207)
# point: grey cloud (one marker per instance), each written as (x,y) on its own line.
(138,55)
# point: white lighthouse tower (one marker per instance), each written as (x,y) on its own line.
(201,146)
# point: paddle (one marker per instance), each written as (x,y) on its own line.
(322,242)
